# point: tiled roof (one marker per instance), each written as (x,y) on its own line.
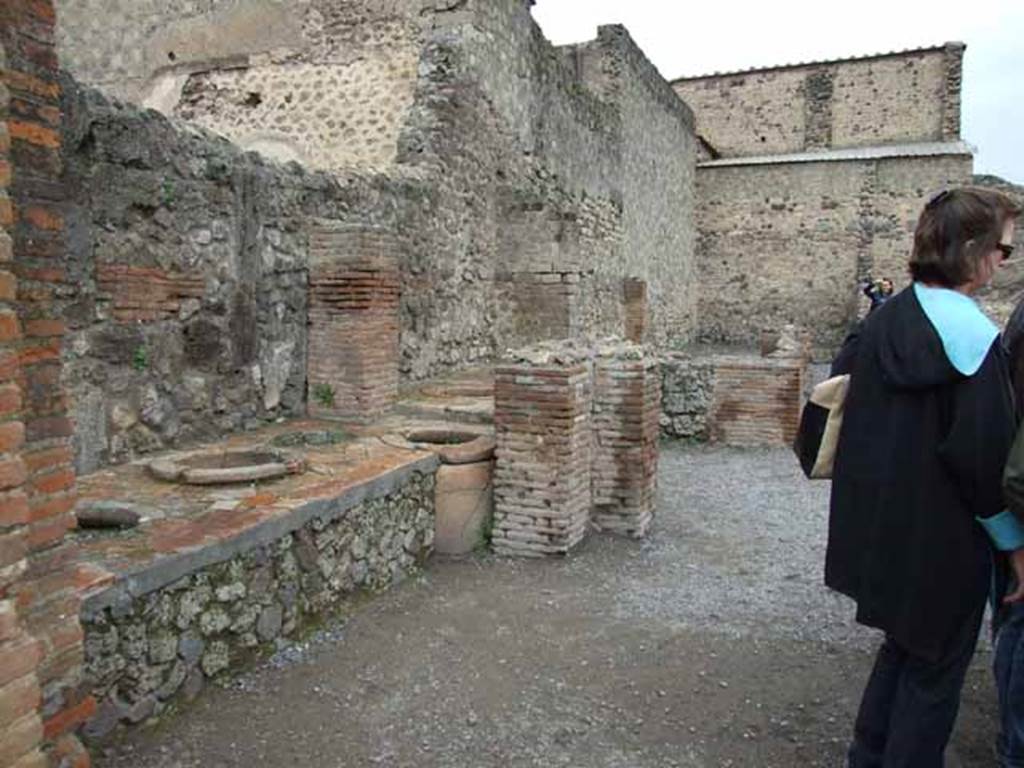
(907,52)
(918,149)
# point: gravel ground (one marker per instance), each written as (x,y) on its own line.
(712,643)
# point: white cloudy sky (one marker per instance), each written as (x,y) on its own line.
(693,38)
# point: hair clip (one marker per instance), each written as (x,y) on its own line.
(937,198)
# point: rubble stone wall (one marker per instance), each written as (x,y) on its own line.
(688,385)
(788,242)
(912,96)
(146,652)
(187,305)
(515,184)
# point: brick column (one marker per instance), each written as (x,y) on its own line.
(627,409)
(40,702)
(542,404)
(353,322)
(20,723)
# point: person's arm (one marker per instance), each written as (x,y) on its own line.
(976,447)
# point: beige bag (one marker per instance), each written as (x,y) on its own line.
(820,423)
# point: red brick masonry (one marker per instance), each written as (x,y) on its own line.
(353,314)
(756,400)
(627,408)
(542,420)
(41,701)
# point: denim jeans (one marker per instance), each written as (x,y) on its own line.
(1009,671)
(910,704)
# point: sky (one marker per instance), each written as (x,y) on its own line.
(687,38)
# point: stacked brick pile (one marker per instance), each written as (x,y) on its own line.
(41,698)
(756,400)
(627,408)
(353,314)
(542,420)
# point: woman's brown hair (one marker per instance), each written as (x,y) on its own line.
(956,229)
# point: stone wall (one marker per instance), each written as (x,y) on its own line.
(736,399)
(788,242)
(187,307)
(658,187)
(147,651)
(688,385)
(41,699)
(518,183)
(912,96)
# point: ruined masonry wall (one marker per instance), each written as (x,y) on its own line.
(325,116)
(894,98)
(687,392)
(190,256)
(658,189)
(781,243)
(188,301)
(149,652)
(741,400)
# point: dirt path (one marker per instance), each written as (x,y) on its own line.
(711,644)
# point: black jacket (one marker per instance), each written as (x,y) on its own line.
(920,456)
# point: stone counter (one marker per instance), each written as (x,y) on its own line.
(188,597)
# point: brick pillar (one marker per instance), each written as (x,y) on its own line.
(634,300)
(353,322)
(542,404)
(627,409)
(20,723)
(39,483)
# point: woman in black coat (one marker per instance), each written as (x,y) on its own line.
(916,509)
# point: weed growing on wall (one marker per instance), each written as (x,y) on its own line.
(324,395)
